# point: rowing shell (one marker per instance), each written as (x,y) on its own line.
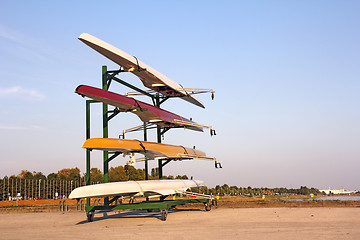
(150,77)
(146,112)
(131,188)
(151,150)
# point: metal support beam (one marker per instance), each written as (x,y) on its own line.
(132,87)
(167,161)
(88,102)
(146,161)
(105,131)
(110,75)
(165,129)
(158,133)
(114,199)
(114,112)
(115,154)
(163,100)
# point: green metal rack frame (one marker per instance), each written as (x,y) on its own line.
(163,205)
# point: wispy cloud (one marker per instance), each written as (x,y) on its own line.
(21,93)
(24,46)
(19,128)
(11,35)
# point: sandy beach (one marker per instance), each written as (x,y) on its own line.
(223,223)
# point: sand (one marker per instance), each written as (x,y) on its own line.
(224,223)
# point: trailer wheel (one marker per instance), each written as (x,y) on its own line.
(90,216)
(207,207)
(164,214)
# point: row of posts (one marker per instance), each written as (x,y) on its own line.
(27,189)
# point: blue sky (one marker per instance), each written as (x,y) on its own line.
(286,76)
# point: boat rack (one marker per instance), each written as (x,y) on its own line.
(163,205)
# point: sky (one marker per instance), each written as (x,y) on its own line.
(286,76)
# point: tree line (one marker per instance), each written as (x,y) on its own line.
(249,191)
(72,178)
(116,174)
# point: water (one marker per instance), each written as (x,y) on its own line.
(340,198)
(334,198)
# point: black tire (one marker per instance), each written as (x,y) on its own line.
(164,214)
(90,216)
(207,207)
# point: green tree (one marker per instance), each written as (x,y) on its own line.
(74,174)
(52,176)
(117,174)
(218,190)
(225,188)
(154,172)
(181,177)
(304,190)
(25,174)
(39,175)
(133,174)
(64,174)
(96,175)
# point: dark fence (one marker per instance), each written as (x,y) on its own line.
(16,188)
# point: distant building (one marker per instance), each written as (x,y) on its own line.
(337,191)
